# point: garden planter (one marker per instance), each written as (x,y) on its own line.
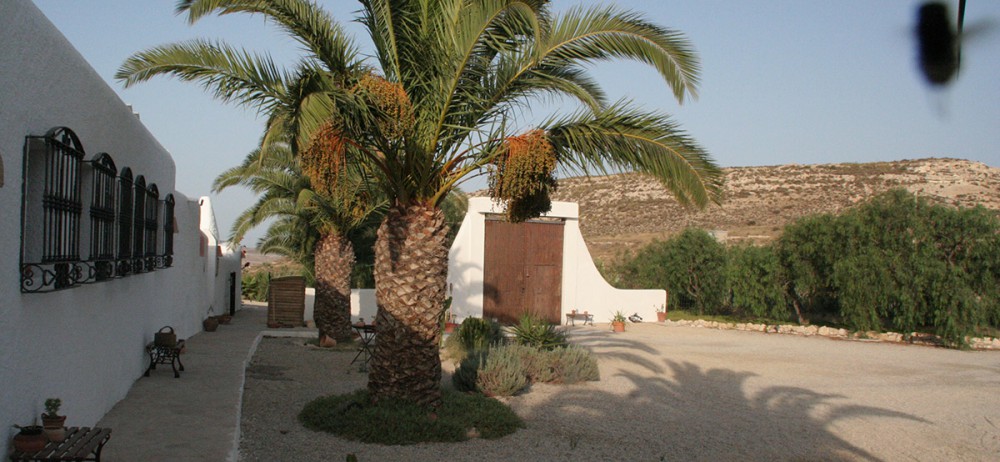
(618,326)
(661,316)
(210,324)
(30,439)
(55,427)
(449,327)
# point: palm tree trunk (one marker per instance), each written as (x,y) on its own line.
(334,262)
(411,269)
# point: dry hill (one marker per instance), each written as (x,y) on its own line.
(619,212)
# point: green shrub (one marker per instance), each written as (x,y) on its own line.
(479,334)
(573,365)
(690,266)
(464,378)
(501,372)
(390,421)
(538,333)
(757,283)
(254,285)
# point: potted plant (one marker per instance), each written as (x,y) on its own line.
(53,423)
(30,439)
(661,313)
(211,322)
(618,321)
(449,318)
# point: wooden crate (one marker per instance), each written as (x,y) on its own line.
(286,302)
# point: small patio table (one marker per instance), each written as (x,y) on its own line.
(367,336)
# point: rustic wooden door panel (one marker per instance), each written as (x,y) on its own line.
(522,271)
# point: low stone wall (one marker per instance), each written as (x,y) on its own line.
(976,343)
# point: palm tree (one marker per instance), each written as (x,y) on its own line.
(308,229)
(458,74)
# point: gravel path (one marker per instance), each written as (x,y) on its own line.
(676,393)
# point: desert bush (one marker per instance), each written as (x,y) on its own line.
(573,365)
(474,334)
(538,333)
(757,283)
(501,372)
(690,266)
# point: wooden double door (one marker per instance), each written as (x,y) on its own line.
(523,270)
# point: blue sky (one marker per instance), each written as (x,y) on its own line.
(782,82)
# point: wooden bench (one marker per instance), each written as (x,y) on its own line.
(573,316)
(81,443)
(159,354)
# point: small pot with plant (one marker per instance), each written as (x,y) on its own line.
(30,439)
(53,423)
(661,313)
(618,321)
(449,318)
(211,322)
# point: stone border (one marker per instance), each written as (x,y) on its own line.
(976,343)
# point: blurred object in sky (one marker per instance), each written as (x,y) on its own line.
(939,46)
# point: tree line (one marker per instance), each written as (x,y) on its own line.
(897,262)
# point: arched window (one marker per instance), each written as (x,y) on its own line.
(102,216)
(125,193)
(139,224)
(51,208)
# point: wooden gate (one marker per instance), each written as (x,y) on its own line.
(523,270)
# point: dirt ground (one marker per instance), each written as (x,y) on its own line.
(680,393)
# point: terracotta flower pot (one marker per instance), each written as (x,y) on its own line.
(31,439)
(55,427)
(210,324)
(618,326)
(661,316)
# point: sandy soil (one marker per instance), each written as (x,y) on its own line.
(680,393)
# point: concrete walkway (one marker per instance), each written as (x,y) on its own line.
(197,416)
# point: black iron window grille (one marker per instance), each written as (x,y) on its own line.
(102,216)
(55,159)
(139,225)
(125,193)
(151,225)
(167,256)
(124,213)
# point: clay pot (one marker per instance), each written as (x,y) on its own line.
(31,439)
(618,326)
(661,316)
(210,324)
(55,427)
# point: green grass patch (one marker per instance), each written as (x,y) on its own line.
(353,416)
(684,315)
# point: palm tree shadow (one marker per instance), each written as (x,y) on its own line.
(686,412)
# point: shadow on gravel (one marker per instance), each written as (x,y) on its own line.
(685,412)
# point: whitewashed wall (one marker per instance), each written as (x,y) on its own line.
(83,344)
(583,287)
(362,304)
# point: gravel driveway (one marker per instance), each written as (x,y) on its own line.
(679,393)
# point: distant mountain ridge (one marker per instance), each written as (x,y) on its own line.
(626,211)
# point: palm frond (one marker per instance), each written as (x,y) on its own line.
(625,138)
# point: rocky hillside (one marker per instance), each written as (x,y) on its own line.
(619,212)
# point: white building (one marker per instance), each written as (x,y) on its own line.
(500,270)
(98,250)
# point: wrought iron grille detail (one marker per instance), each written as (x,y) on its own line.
(168,233)
(102,215)
(125,193)
(61,202)
(138,225)
(151,225)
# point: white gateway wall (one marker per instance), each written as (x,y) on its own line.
(82,344)
(583,287)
